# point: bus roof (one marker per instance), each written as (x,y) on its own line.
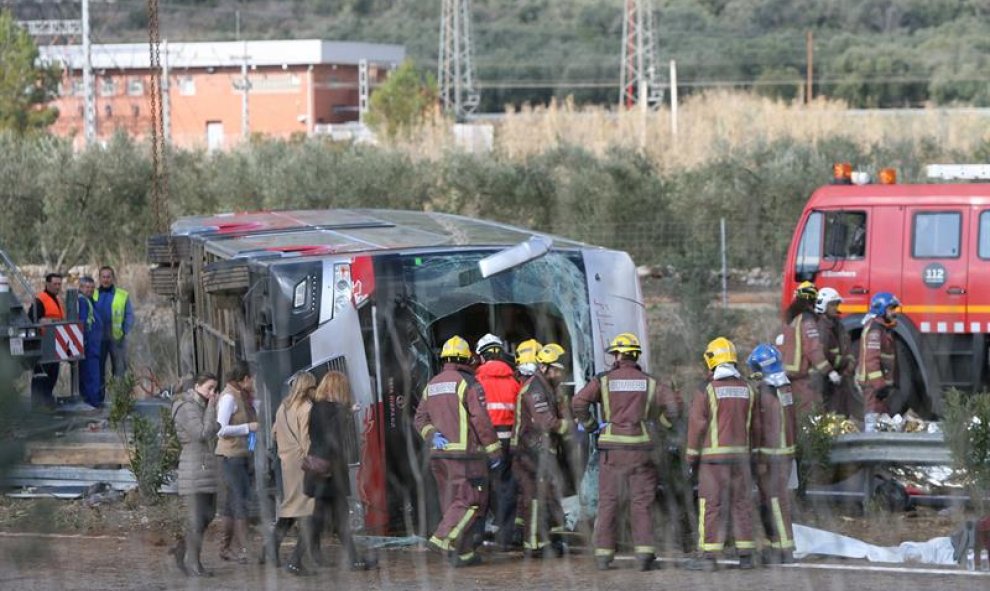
(920,194)
(329,231)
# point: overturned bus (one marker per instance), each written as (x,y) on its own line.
(374,293)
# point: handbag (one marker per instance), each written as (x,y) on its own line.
(316,466)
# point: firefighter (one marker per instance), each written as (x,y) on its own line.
(802,350)
(539,427)
(526,366)
(453,421)
(838,349)
(877,358)
(631,401)
(718,446)
(501,390)
(774,450)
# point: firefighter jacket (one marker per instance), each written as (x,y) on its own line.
(776,421)
(539,418)
(877,360)
(836,344)
(802,349)
(501,392)
(720,423)
(453,404)
(630,399)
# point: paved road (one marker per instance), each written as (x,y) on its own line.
(29,563)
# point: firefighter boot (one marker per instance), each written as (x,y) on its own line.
(704,563)
(746,561)
(471,559)
(646,562)
(770,556)
(226,535)
(603,562)
(787,557)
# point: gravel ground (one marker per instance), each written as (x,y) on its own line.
(29,562)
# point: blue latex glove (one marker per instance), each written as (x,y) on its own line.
(601,427)
(439,441)
(493,464)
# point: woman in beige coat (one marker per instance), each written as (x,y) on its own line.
(291,431)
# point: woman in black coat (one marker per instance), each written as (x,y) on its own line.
(331,433)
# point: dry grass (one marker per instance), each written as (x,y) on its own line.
(709,125)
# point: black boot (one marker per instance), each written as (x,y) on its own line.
(178,552)
(646,562)
(746,561)
(702,563)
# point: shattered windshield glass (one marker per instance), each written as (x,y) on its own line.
(436,286)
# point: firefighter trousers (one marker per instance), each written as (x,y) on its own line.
(462,486)
(723,494)
(539,506)
(873,404)
(775,502)
(634,471)
(806,395)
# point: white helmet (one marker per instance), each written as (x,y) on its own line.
(487,342)
(826,296)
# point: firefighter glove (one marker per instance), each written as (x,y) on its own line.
(439,441)
(834,377)
(884,393)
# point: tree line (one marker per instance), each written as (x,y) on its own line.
(63,207)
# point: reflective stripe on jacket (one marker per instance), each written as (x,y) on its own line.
(538,416)
(802,348)
(877,356)
(501,391)
(774,435)
(453,404)
(720,424)
(630,398)
(836,343)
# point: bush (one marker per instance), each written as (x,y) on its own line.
(967,433)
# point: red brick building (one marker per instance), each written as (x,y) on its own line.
(296,87)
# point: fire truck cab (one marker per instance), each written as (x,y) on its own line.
(929,244)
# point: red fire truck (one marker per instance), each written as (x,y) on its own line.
(929,244)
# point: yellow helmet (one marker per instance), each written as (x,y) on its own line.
(526,351)
(806,291)
(720,351)
(626,342)
(550,354)
(455,348)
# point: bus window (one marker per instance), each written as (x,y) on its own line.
(845,235)
(809,254)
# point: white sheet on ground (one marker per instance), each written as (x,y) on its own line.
(808,540)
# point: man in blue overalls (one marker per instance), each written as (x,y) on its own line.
(89,368)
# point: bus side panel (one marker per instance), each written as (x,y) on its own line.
(616,302)
(341,337)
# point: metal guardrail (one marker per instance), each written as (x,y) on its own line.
(894,448)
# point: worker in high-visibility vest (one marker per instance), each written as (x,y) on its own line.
(113,306)
(47,308)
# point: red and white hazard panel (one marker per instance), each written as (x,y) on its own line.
(68,341)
